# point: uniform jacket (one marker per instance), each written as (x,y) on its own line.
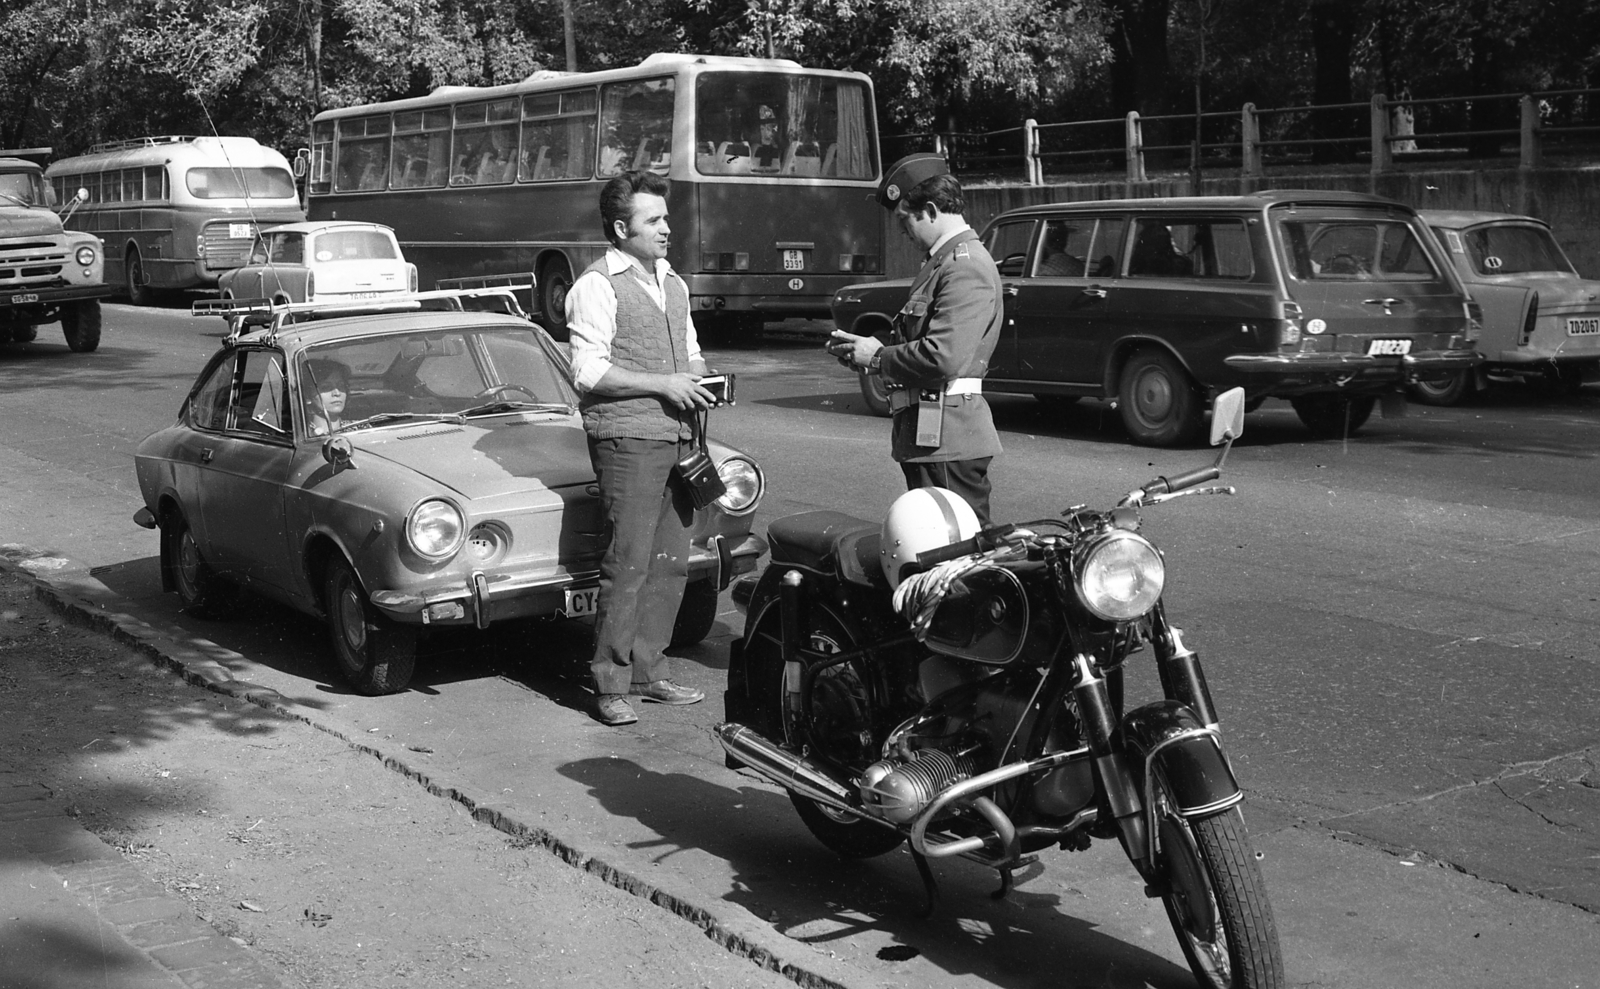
(948,329)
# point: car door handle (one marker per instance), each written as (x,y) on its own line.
(1095,292)
(1011,290)
(206,455)
(1385,303)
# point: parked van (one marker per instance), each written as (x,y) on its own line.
(1327,299)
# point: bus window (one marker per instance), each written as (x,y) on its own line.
(133,185)
(234,183)
(320,181)
(421,149)
(636,126)
(363,154)
(155,184)
(558,132)
(749,123)
(485,136)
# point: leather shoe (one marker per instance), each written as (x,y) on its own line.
(613,710)
(667,692)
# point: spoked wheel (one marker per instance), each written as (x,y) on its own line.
(202,592)
(841,712)
(373,652)
(1216,898)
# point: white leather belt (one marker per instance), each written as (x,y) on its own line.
(905,397)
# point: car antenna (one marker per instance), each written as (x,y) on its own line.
(239,175)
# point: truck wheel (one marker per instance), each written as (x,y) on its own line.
(139,291)
(555,281)
(1158,401)
(80,324)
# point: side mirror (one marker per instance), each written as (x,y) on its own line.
(1227,416)
(302,162)
(337,451)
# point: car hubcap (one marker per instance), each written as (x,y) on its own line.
(352,619)
(188,563)
(1152,396)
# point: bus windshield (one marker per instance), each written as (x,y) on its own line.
(764,123)
(237,183)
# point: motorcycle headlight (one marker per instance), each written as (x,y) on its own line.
(86,256)
(743,480)
(1120,576)
(435,529)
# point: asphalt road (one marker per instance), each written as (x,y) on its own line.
(1401,632)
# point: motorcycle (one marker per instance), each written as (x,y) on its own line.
(974,708)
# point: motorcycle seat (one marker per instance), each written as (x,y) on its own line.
(828,542)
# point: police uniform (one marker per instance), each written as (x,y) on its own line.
(945,334)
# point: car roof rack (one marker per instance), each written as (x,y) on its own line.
(247,315)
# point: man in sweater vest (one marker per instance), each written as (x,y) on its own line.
(636,362)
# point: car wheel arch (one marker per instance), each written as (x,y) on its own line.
(872,324)
(1123,350)
(322,549)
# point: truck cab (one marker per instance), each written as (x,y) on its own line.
(47,273)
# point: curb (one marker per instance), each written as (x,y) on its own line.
(88,604)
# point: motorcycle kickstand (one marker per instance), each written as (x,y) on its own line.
(929,886)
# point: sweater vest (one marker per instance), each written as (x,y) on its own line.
(647,340)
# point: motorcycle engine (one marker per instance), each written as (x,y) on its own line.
(898,791)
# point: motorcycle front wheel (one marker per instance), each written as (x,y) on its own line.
(1216,898)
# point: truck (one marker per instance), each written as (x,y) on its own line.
(47,273)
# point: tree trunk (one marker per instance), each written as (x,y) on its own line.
(1141,71)
(1333,28)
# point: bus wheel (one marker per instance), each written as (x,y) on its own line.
(139,291)
(554,283)
(80,324)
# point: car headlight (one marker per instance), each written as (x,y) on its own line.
(86,256)
(435,529)
(1120,576)
(743,480)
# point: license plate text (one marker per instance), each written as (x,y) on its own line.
(581,601)
(1388,348)
(1583,326)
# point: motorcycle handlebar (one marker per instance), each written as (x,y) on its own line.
(985,540)
(1177,482)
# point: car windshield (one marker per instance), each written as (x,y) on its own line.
(1514,250)
(353,245)
(392,378)
(22,187)
(1354,249)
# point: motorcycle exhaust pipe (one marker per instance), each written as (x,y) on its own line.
(790,771)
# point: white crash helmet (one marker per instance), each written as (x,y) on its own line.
(920,520)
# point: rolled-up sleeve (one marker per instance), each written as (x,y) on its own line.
(693,335)
(592,323)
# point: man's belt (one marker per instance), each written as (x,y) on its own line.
(902,397)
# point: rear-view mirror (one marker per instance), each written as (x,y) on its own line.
(1227,416)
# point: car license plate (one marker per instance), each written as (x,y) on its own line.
(1583,326)
(18,300)
(794,260)
(365,295)
(581,601)
(240,231)
(1388,348)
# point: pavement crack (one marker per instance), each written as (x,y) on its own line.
(1514,771)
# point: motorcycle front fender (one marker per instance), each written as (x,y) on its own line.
(1169,735)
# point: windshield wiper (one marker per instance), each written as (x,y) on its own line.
(16,199)
(500,408)
(387,418)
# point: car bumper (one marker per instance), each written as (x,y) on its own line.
(52,295)
(485,598)
(1299,365)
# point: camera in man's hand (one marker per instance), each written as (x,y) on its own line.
(720,386)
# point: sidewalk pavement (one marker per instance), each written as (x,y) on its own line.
(74,912)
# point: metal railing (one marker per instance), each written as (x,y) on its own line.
(1394,131)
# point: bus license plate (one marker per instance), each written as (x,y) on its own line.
(1584,326)
(18,300)
(581,601)
(1388,348)
(240,231)
(794,260)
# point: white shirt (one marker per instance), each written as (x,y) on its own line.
(592,315)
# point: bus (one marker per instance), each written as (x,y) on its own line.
(175,212)
(773,170)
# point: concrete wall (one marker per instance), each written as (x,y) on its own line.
(1566,198)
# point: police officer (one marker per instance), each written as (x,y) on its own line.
(943,435)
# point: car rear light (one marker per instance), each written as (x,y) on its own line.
(311,286)
(411,278)
(859,263)
(1528,321)
(1475,318)
(1289,332)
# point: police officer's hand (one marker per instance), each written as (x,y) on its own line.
(683,391)
(851,350)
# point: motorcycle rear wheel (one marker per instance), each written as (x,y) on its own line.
(1216,898)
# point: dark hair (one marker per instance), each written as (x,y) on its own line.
(943,191)
(324,370)
(616,198)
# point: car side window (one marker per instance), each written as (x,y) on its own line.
(208,409)
(1106,247)
(1202,248)
(261,403)
(288,249)
(1064,248)
(1008,244)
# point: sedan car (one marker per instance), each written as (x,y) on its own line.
(1541,319)
(1327,299)
(395,470)
(322,261)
